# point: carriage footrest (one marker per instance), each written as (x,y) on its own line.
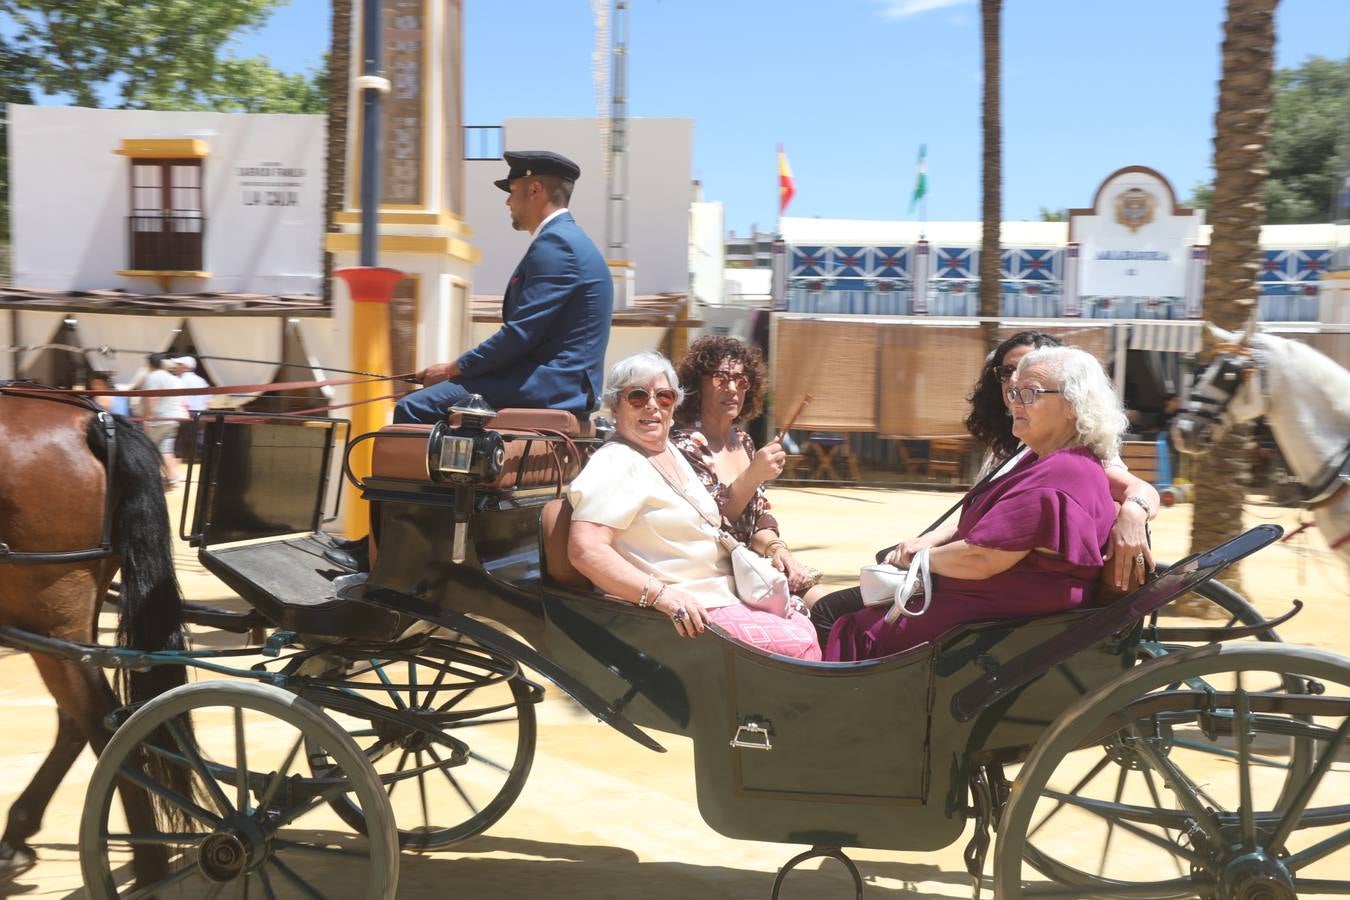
(291,583)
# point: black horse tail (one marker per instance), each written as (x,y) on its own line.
(151,602)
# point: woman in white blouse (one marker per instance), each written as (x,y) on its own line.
(641,522)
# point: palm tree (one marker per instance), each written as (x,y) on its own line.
(1241,135)
(991,255)
(339,84)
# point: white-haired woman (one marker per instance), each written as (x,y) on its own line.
(642,522)
(1030,542)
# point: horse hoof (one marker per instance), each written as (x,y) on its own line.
(19,860)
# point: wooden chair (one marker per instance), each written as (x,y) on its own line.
(947,457)
(827,449)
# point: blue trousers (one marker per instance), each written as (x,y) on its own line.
(430,404)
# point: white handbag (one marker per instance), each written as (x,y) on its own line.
(759,585)
(882,584)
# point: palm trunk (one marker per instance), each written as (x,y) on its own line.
(991,255)
(1241,136)
(339,84)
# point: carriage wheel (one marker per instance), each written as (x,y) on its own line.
(450,730)
(253,823)
(1242,789)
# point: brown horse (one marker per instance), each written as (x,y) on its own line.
(52,489)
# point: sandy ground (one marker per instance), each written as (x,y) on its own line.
(600,816)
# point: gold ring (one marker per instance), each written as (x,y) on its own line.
(1139,560)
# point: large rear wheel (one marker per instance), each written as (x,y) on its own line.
(1218,772)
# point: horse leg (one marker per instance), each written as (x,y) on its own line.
(25,816)
(85,698)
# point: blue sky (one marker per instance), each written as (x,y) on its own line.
(852,87)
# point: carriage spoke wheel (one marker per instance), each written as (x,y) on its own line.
(241,814)
(449,727)
(1221,772)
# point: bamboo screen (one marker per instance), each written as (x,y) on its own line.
(927,371)
(1095,339)
(834,362)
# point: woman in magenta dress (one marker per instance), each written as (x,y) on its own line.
(1031,542)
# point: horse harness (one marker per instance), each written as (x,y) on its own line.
(104,550)
(1234,365)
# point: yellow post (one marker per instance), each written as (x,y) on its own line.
(371,289)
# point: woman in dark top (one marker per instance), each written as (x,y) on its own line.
(724,383)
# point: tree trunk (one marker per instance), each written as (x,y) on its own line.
(991,255)
(339,86)
(1241,136)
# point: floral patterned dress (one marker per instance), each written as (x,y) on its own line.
(756,516)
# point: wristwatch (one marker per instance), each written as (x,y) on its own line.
(1143,504)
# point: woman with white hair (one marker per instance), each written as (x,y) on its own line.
(1029,542)
(644,528)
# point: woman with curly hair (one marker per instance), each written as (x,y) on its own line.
(724,382)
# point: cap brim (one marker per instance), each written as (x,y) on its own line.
(504,184)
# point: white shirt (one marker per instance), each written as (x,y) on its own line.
(548,218)
(659,531)
(162,407)
(195,402)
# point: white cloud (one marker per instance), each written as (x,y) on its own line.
(903,9)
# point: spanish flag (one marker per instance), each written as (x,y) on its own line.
(785,188)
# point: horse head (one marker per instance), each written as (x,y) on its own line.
(1228,390)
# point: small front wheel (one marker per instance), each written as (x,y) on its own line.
(241,812)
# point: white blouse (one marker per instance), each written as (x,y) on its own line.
(658,531)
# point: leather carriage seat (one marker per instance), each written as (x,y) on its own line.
(554,524)
(400,451)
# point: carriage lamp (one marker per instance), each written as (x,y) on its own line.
(466,453)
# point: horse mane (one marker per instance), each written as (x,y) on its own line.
(1311,367)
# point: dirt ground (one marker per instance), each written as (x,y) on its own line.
(602,817)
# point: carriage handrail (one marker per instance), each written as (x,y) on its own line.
(971,700)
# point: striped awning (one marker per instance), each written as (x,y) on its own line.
(1166,336)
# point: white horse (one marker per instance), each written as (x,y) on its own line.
(1305,398)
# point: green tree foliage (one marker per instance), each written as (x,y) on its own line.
(1309,116)
(13,89)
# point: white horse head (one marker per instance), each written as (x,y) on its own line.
(1233,388)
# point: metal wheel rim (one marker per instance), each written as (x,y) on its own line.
(304,717)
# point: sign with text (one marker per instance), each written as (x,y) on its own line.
(1134,243)
(270,183)
(404,110)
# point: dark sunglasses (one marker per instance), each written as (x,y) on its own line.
(1003,373)
(722,378)
(638,397)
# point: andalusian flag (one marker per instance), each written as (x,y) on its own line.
(785,188)
(921,182)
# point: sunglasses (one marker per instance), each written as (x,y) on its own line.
(638,397)
(1003,373)
(722,378)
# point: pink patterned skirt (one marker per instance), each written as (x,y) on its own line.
(793,636)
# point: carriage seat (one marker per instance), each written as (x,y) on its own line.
(400,451)
(554,524)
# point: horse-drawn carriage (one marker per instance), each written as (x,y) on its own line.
(404,706)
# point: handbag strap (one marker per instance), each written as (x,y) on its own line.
(723,537)
(918,573)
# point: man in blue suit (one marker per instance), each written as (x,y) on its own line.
(550,351)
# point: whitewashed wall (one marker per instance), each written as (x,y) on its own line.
(70,198)
(660,165)
(707,251)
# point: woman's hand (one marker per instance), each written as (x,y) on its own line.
(905,551)
(768,462)
(1127,545)
(797,574)
(688,615)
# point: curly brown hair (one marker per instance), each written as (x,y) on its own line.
(704,357)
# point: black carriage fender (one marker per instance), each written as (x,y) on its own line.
(494,639)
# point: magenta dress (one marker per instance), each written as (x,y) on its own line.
(1062,503)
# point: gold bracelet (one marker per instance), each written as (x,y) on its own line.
(777,542)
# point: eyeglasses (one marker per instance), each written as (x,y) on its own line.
(638,397)
(1003,373)
(722,378)
(1027,396)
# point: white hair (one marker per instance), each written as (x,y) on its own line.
(1097,413)
(640,370)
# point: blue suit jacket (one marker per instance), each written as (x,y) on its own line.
(550,351)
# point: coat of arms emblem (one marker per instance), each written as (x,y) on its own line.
(1134,208)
